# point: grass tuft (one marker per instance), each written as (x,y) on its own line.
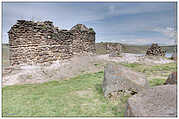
(156,82)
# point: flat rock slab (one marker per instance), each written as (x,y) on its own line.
(159,101)
(117,78)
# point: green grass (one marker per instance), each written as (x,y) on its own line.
(156,82)
(154,72)
(78,96)
(161,69)
(5,55)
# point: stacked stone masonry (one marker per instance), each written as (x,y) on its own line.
(155,50)
(39,42)
(113,49)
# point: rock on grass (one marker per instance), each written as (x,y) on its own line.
(118,78)
(159,101)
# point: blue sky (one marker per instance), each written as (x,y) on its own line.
(129,23)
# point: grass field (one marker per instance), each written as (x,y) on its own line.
(141,49)
(5,55)
(156,74)
(78,96)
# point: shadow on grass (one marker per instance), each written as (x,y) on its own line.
(99,89)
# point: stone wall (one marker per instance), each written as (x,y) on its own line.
(39,42)
(113,49)
(84,39)
(155,50)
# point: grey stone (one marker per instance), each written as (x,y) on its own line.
(172,78)
(117,78)
(174,56)
(159,101)
(80,27)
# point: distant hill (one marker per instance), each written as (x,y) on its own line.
(137,49)
(100,48)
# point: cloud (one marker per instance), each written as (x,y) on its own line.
(122,22)
(168,32)
(138,8)
(5,38)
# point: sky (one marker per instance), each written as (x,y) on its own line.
(122,22)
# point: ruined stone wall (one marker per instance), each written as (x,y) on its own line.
(155,50)
(39,42)
(84,39)
(110,47)
(113,49)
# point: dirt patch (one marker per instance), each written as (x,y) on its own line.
(59,70)
(65,69)
(136,58)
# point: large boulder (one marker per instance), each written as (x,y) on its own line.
(172,78)
(119,78)
(153,102)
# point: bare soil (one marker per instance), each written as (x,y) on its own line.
(65,69)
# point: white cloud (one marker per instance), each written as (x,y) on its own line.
(66,15)
(168,32)
(135,8)
(5,38)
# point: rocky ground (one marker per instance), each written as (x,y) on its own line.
(65,69)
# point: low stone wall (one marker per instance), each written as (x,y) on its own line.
(113,46)
(114,49)
(109,48)
(39,42)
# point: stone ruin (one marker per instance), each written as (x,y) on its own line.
(113,49)
(39,42)
(143,101)
(155,50)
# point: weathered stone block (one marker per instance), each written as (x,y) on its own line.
(159,101)
(117,78)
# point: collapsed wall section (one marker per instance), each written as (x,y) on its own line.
(113,49)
